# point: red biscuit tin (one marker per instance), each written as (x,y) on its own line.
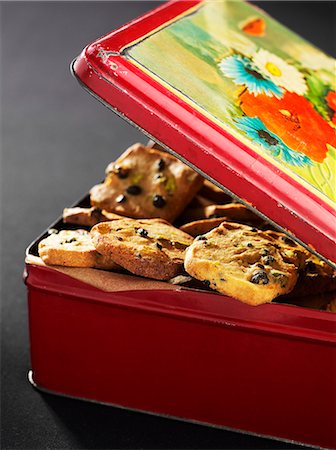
(183,353)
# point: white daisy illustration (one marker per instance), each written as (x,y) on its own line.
(280,72)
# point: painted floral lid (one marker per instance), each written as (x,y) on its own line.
(238,96)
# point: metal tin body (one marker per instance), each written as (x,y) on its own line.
(188,354)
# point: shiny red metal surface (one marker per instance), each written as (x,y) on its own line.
(169,120)
(188,354)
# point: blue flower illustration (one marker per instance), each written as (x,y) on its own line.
(256,130)
(244,72)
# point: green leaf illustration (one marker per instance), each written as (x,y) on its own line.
(317,92)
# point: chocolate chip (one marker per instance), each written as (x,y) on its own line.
(158,201)
(69,241)
(142,232)
(311,266)
(134,189)
(161,164)
(200,238)
(206,283)
(268,259)
(261,266)
(254,229)
(259,277)
(121,198)
(249,244)
(158,245)
(119,238)
(264,252)
(286,240)
(121,172)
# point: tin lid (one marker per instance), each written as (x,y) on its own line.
(236,95)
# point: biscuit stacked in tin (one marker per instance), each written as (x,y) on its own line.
(156,217)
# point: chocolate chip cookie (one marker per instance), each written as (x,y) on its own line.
(150,248)
(87,217)
(243,262)
(214,193)
(202,226)
(146,183)
(73,248)
(234,212)
(316,277)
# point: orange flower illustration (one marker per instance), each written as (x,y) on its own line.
(255,26)
(294,120)
(331,100)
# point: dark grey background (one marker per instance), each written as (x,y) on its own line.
(56,142)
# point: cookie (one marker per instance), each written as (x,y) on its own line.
(87,216)
(289,247)
(314,266)
(202,226)
(235,212)
(214,194)
(243,262)
(316,277)
(73,248)
(199,202)
(150,248)
(146,183)
(319,301)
